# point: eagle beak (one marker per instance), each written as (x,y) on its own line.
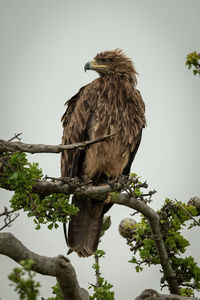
(88,66)
(93,65)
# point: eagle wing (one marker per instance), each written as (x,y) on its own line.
(75,121)
(84,229)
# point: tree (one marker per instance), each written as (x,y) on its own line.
(193,61)
(157,239)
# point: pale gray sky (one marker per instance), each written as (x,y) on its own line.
(44,47)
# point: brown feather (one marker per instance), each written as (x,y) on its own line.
(109,104)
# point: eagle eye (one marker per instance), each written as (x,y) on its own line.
(105,60)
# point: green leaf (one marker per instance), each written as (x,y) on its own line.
(37,227)
(50,226)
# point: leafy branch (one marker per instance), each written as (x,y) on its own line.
(173,217)
(193,61)
(102,288)
(47,201)
(27,288)
(19,175)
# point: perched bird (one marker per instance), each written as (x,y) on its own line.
(109,104)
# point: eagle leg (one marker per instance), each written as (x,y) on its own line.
(108,198)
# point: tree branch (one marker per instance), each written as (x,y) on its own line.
(59,266)
(157,235)
(126,200)
(150,294)
(40,148)
(73,186)
(45,188)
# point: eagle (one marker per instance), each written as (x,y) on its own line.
(109,104)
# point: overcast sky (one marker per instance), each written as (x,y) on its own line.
(44,47)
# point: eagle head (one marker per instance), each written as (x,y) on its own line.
(113,62)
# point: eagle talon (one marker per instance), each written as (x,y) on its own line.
(108,199)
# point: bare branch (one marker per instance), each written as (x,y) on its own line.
(40,148)
(16,136)
(8,220)
(6,212)
(59,266)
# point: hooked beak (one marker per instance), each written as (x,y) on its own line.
(88,66)
(93,65)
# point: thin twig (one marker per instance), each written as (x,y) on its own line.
(16,136)
(8,224)
(6,212)
(187,212)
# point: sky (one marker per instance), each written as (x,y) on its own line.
(44,47)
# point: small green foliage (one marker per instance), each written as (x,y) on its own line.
(138,269)
(188,271)
(56,292)
(23,280)
(106,225)
(99,253)
(136,185)
(25,284)
(186,292)
(145,246)
(114,195)
(138,192)
(19,175)
(193,60)
(173,217)
(102,289)
(51,209)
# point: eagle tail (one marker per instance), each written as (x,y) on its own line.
(85,228)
